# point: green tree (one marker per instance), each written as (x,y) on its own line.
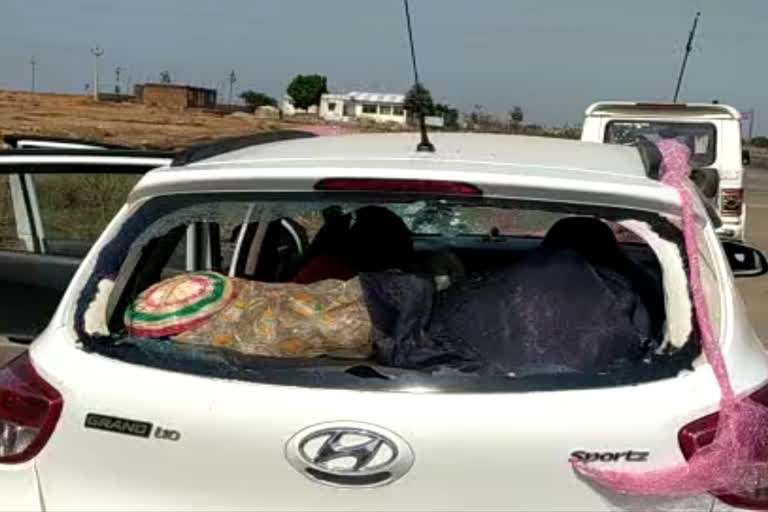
(305,90)
(165,77)
(516,115)
(418,100)
(256,99)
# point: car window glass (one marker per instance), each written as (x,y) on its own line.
(442,218)
(283,314)
(9,239)
(75,208)
(698,137)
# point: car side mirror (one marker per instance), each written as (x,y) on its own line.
(746,159)
(745,261)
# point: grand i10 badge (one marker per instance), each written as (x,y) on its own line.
(129,427)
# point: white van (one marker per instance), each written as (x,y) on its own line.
(711,130)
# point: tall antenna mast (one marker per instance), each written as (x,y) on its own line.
(232,80)
(96,52)
(424,144)
(688,48)
(33,62)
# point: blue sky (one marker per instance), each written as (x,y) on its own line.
(552,57)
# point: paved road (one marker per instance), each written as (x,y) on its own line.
(754,290)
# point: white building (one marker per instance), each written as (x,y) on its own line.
(382,108)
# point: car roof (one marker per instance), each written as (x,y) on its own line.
(490,149)
(508,166)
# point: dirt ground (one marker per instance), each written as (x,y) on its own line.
(133,124)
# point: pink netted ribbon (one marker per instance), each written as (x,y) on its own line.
(737,460)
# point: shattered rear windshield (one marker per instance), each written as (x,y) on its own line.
(388,290)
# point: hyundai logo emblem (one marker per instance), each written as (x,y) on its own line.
(347,454)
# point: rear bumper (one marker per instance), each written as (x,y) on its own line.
(731,232)
(19,488)
(732,228)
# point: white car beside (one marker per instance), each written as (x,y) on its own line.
(713,132)
(96,417)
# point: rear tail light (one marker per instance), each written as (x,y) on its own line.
(393,185)
(29,410)
(700,433)
(731,200)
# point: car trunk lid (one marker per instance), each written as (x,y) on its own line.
(217,443)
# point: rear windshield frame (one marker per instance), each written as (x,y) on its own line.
(199,361)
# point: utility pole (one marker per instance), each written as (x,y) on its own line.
(96,52)
(688,48)
(232,80)
(117,80)
(33,62)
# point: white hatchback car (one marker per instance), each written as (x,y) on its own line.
(488,370)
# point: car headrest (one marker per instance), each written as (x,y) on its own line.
(379,240)
(587,235)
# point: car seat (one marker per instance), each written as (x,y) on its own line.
(379,240)
(594,240)
(284,245)
(371,239)
(589,236)
(325,258)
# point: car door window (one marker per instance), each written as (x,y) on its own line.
(9,238)
(75,208)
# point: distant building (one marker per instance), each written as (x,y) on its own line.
(178,96)
(377,107)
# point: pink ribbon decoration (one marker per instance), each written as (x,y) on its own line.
(738,457)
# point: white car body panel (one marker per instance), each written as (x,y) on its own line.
(19,488)
(95,159)
(22,143)
(489,451)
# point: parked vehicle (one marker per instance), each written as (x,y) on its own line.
(711,130)
(453,407)
(54,202)
(56,196)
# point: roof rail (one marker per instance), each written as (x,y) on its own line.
(199,152)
